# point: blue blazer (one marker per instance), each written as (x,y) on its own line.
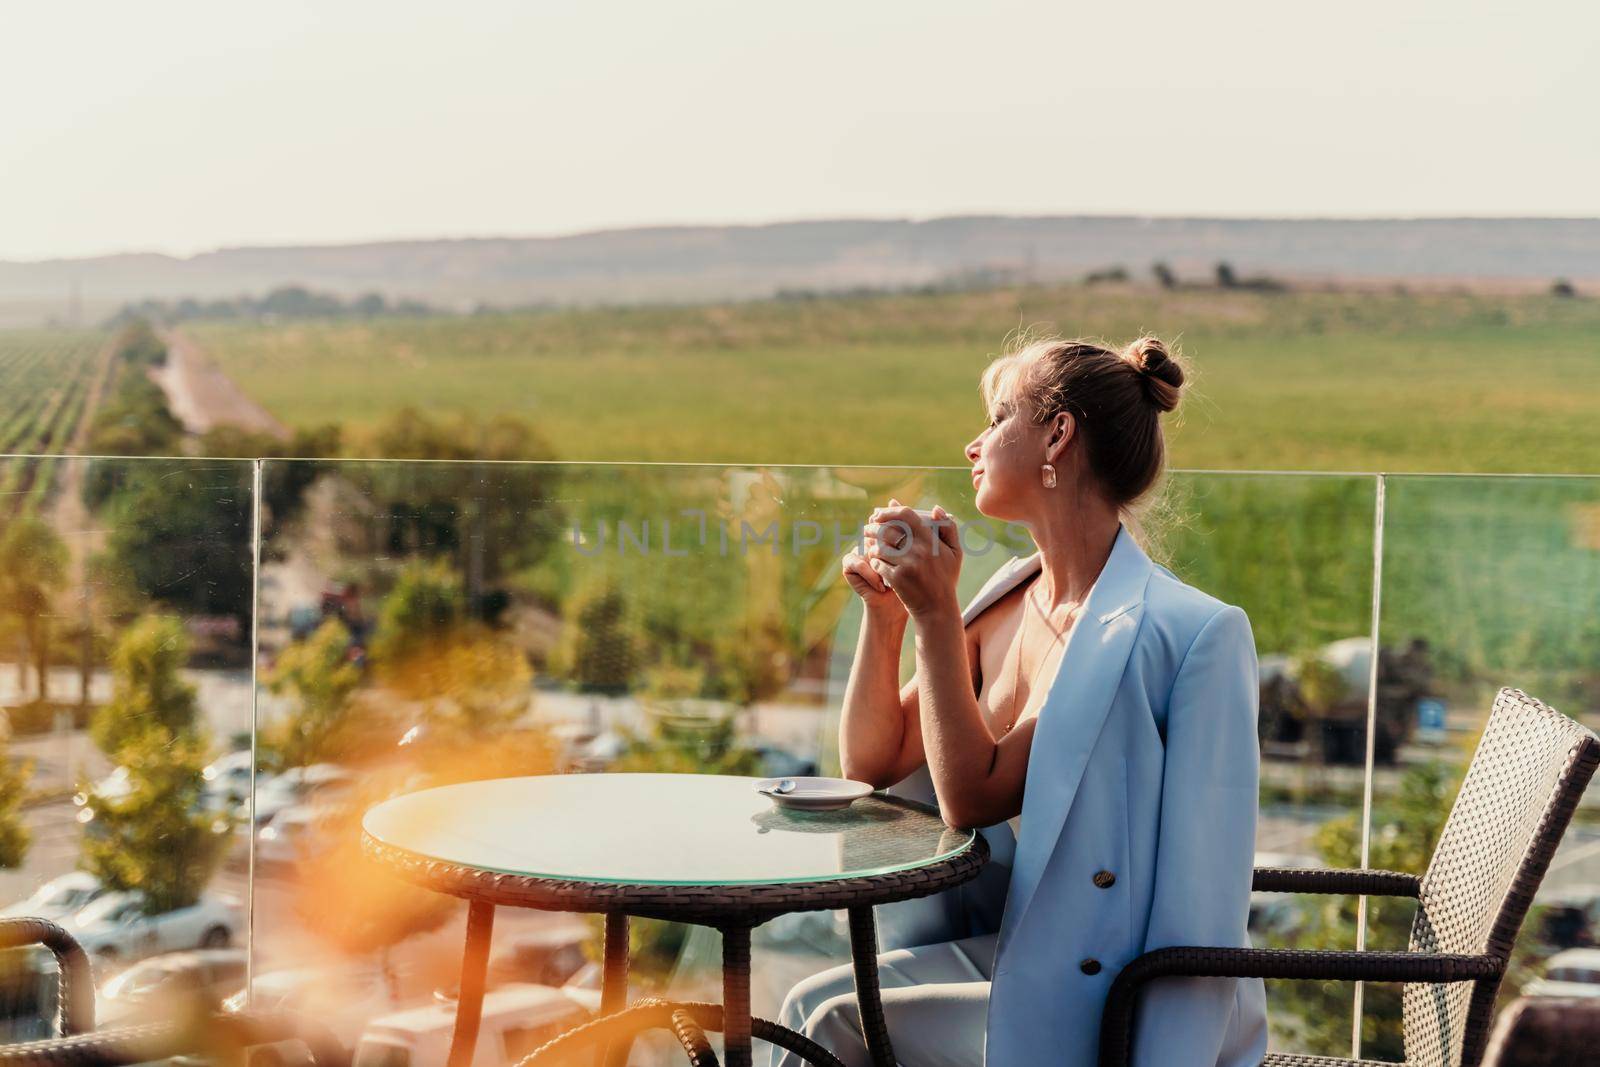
(1144,765)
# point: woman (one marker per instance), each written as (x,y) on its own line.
(1087,702)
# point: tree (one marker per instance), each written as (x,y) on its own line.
(134,419)
(1563,288)
(139,344)
(305,457)
(155,839)
(33,568)
(370,304)
(751,662)
(424,605)
(469,680)
(493,517)
(298,302)
(1164,276)
(1226,278)
(598,649)
(147,692)
(471,683)
(183,535)
(318,675)
(14,836)
(1108,274)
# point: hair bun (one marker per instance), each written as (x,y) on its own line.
(1162,376)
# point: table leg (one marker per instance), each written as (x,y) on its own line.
(474,968)
(614,986)
(864,955)
(736,995)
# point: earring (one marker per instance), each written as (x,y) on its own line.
(1049,476)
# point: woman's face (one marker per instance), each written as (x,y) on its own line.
(1006,457)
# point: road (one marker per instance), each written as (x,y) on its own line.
(202,397)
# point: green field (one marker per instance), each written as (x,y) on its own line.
(45,377)
(1310,380)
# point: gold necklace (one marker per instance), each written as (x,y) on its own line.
(1016,685)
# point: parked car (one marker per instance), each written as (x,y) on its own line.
(598,752)
(213,799)
(323,782)
(516,1020)
(781,763)
(163,986)
(342,998)
(546,956)
(821,933)
(230,775)
(114,929)
(1336,720)
(1274,916)
(292,836)
(1573,973)
(1568,918)
(113,786)
(57,899)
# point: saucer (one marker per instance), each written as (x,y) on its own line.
(815,794)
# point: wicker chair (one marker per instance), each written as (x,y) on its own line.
(1520,791)
(220,1038)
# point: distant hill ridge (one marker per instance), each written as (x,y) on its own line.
(680,263)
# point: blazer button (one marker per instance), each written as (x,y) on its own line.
(1090,966)
(1105,879)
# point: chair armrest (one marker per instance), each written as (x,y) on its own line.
(1116,1023)
(220,1038)
(75,988)
(1352,882)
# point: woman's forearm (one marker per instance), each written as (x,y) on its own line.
(872,727)
(961,752)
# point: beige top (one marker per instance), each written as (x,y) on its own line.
(1036,699)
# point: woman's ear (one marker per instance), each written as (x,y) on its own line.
(1063,429)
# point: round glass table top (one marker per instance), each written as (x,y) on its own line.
(657,829)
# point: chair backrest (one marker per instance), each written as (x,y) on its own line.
(1520,791)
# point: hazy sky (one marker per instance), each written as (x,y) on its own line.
(179,126)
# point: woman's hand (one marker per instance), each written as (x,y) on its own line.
(918,556)
(868,582)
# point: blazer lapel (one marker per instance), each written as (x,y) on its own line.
(1073,713)
(1001,582)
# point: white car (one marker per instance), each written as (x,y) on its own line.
(161,987)
(1279,915)
(517,1019)
(58,899)
(291,837)
(115,929)
(344,999)
(226,781)
(214,798)
(295,786)
(1573,973)
(113,786)
(231,772)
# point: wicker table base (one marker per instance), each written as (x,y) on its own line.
(688,1020)
(619,1023)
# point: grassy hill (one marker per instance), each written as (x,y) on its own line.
(675,264)
(1304,380)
